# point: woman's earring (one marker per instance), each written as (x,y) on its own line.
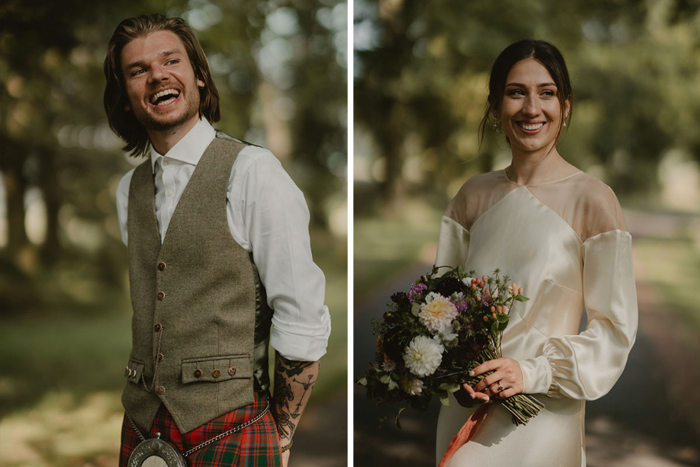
(497,127)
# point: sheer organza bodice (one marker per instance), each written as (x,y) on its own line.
(566,243)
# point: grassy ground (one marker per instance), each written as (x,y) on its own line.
(383,246)
(673,266)
(62,374)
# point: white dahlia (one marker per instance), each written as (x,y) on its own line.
(423,356)
(411,385)
(437,313)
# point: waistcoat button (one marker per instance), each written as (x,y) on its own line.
(232,371)
(161,295)
(160,357)
(161,390)
(161,265)
(158,327)
(197,373)
(216,373)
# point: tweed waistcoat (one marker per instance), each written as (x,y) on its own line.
(201,324)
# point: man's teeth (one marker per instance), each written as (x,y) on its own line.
(167,92)
(535,126)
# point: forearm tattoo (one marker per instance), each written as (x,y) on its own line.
(293,384)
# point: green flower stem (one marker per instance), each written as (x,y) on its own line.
(522,407)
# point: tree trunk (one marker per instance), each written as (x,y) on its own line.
(15,187)
(48,179)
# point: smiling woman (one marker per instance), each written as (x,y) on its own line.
(571,248)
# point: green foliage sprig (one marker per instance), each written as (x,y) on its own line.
(432,336)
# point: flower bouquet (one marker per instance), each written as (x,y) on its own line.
(434,335)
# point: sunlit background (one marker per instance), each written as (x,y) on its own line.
(280,68)
(420,77)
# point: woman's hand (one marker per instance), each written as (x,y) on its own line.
(466,399)
(505,381)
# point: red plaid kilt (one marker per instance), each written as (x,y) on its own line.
(254,446)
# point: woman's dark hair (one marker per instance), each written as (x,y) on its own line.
(122,122)
(545,53)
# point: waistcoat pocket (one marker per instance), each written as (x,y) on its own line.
(215,369)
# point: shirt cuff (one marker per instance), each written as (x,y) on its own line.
(299,346)
(537,375)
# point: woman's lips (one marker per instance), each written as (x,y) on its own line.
(531,128)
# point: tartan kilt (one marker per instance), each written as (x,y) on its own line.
(255,446)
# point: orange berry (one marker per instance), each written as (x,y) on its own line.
(486,318)
(494,315)
(520,290)
(473,286)
(493,308)
(499,308)
(483,278)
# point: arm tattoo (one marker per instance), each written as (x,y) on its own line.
(294,382)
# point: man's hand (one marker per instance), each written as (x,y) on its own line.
(294,382)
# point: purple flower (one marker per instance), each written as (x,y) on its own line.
(460,302)
(486,299)
(416,292)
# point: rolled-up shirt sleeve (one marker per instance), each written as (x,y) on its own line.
(269,216)
(587,365)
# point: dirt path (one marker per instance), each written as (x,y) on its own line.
(321,438)
(642,422)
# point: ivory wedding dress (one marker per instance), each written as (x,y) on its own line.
(566,244)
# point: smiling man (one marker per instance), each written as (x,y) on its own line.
(218,244)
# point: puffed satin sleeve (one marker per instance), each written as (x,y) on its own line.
(587,365)
(453,244)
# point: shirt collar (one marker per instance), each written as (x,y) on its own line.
(191,147)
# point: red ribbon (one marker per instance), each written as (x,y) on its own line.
(466,433)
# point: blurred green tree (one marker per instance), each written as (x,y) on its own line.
(421,76)
(280,70)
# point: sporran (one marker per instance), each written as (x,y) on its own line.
(155,452)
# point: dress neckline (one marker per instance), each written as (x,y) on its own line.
(505,174)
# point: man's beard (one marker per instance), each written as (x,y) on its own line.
(150,122)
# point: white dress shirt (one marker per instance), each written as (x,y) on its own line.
(267,214)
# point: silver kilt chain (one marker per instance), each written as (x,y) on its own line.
(216,438)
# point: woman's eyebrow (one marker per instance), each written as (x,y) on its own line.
(539,85)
